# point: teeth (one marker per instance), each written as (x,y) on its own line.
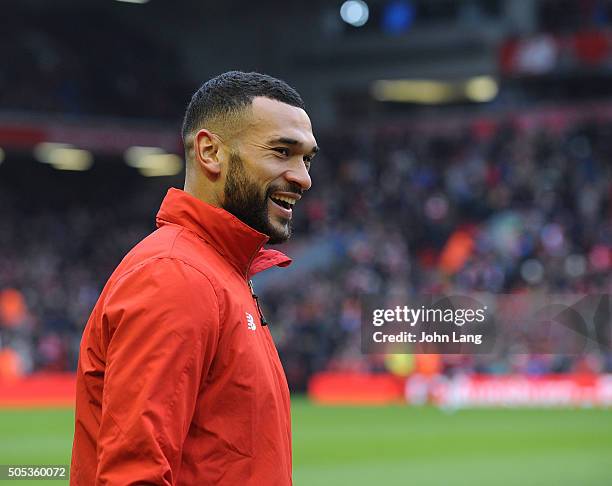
(289,200)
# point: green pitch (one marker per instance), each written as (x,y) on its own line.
(387,446)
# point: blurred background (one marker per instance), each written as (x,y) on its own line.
(466,147)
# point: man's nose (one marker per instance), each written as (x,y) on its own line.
(299,175)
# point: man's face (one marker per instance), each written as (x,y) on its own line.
(268,172)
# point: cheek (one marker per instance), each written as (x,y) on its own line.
(270,168)
(266,174)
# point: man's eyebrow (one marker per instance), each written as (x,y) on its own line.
(284,140)
(291,141)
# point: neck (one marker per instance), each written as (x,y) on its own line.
(201,192)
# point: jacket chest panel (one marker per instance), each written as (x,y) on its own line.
(245,344)
(245,394)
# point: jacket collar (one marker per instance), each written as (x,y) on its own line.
(235,240)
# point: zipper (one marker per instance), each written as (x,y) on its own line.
(263,320)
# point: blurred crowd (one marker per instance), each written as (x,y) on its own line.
(50,64)
(483,205)
(501,207)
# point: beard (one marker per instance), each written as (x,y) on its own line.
(244,199)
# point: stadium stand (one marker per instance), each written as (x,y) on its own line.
(393,209)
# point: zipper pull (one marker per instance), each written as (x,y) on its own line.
(263,320)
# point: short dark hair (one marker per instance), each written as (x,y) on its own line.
(232,91)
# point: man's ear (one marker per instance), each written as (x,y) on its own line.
(206,147)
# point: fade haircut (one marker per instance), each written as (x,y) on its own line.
(220,100)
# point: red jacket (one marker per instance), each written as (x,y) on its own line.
(178,383)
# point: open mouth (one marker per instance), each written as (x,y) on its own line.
(284,201)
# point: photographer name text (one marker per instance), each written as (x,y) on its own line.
(424,337)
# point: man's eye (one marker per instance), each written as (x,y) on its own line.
(282,150)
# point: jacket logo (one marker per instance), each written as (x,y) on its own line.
(250,321)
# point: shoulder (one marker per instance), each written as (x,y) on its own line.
(164,275)
(161,296)
(170,252)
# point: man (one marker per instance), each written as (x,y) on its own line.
(179,381)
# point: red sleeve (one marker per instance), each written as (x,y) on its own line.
(162,322)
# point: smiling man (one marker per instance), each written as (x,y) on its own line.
(179,381)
